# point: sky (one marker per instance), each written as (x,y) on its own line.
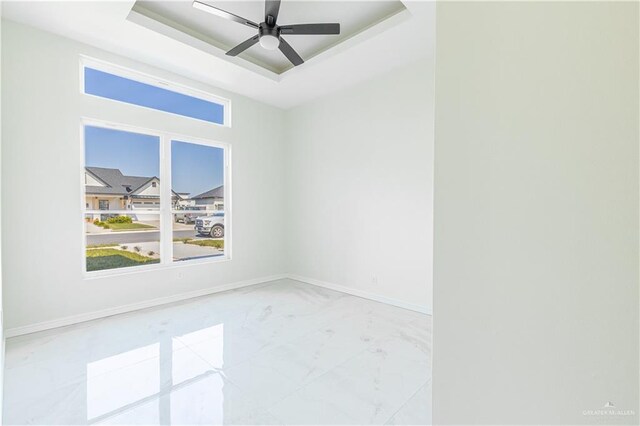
(111,86)
(194,168)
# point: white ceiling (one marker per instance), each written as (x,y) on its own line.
(353,17)
(330,66)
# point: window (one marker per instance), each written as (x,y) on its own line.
(115,161)
(197,182)
(119,84)
(126,204)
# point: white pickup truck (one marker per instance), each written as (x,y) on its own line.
(212,225)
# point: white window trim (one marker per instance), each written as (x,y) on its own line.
(141,77)
(165,212)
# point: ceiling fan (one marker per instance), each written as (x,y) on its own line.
(269,33)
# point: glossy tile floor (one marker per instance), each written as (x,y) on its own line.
(278,353)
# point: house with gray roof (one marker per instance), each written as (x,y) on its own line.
(109,189)
(211,200)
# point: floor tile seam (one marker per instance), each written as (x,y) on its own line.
(83,377)
(263,349)
(366,348)
(283,342)
(310,382)
(296,388)
(422,386)
(248,397)
(164,390)
(356,354)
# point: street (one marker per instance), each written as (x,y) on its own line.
(134,237)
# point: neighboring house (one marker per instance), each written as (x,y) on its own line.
(108,189)
(211,200)
(183,200)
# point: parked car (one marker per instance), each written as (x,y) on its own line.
(189,216)
(212,225)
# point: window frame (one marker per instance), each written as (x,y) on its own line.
(165,211)
(141,77)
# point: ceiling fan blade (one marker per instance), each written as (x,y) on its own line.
(244,46)
(271,8)
(223,14)
(300,29)
(291,54)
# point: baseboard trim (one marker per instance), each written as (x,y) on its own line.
(424,309)
(89,316)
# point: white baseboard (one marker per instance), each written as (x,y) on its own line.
(89,316)
(424,309)
(75,319)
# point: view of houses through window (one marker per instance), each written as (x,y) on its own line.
(198,209)
(124,201)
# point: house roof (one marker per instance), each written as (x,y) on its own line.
(212,193)
(116,183)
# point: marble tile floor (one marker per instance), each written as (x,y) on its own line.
(282,352)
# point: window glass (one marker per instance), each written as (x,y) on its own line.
(111,86)
(122,214)
(197,183)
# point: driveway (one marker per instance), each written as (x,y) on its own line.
(190,251)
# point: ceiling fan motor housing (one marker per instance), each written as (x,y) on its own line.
(269,36)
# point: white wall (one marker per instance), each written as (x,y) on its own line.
(356,213)
(1,260)
(536,213)
(360,179)
(43,280)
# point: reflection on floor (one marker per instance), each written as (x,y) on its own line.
(277,353)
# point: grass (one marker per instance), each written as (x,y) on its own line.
(219,244)
(128,226)
(110,258)
(92,246)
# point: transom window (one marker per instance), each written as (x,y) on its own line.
(124,85)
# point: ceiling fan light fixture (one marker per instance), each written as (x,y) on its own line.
(269,42)
(269,31)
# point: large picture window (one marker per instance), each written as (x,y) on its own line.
(132,219)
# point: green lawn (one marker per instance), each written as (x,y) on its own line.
(129,226)
(219,244)
(91,246)
(109,258)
